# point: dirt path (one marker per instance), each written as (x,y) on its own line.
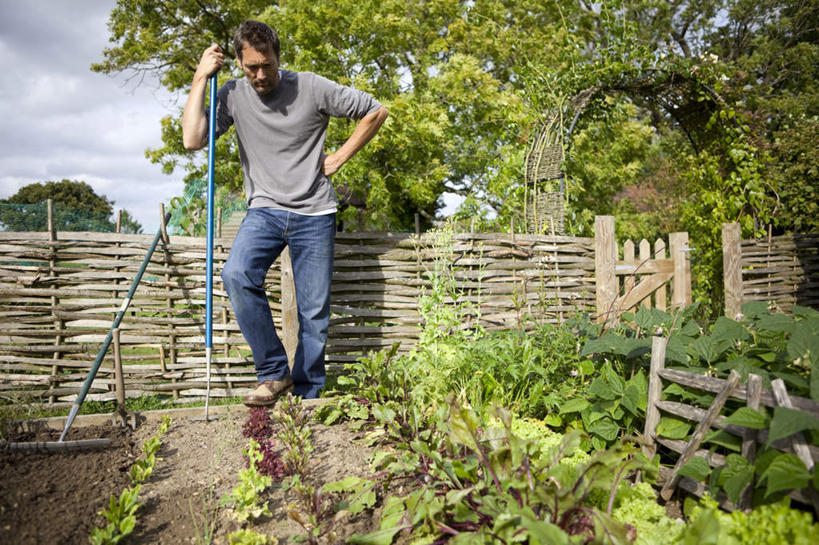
(55,498)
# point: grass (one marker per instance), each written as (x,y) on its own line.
(13,410)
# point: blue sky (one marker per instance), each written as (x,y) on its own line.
(61,120)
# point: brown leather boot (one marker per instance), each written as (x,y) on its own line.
(267,392)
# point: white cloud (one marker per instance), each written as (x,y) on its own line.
(61,120)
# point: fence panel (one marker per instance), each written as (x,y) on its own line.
(60,293)
(781,269)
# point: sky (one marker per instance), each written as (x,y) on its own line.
(60,120)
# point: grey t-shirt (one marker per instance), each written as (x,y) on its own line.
(281,137)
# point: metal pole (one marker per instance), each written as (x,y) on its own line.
(107,342)
(209,264)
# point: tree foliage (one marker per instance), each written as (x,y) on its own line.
(469,83)
(77,207)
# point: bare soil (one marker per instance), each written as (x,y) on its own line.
(56,498)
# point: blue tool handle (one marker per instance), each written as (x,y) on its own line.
(209,263)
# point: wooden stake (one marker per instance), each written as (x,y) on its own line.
(290,311)
(655,390)
(605,260)
(699,433)
(732,268)
(753,399)
(119,379)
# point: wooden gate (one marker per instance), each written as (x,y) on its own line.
(639,279)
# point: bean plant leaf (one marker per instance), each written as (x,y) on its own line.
(630,398)
(690,329)
(618,384)
(602,389)
(608,342)
(728,331)
(736,474)
(805,313)
(706,349)
(574,405)
(675,351)
(586,367)
(697,468)
(723,439)
(605,428)
(673,428)
(634,348)
(803,349)
(754,309)
(803,345)
(748,418)
(785,472)
(781,323)
(787,421)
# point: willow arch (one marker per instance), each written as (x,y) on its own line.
(690,104)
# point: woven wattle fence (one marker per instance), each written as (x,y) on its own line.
(780,269)
(59,294)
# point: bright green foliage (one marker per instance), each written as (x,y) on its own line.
(636,505)
(121,512)
(769,344)
(487,487)
(295,434)
(249,537)
(121,517)
(245,496)
(775,523)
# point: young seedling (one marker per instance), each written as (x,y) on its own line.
(245,497)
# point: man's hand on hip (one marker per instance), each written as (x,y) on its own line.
(331,165)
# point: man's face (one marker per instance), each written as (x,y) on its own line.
(261,68)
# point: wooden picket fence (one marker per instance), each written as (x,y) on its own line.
(59,293)
(780,269)
(755,397)
(639,280)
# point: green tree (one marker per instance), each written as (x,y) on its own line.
(76,208)
(444,68)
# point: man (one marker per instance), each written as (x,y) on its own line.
(281,122)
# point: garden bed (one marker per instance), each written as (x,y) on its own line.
(55,498)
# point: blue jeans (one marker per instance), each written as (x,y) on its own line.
(261,238)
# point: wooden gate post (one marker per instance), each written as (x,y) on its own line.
(732,268)
(681,283)
(605,260)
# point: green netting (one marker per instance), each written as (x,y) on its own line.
(189,212)
(34,217)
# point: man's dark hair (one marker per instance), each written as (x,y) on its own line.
(257,35)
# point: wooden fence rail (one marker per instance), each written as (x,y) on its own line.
(781,269)
(752,394)
(59,293)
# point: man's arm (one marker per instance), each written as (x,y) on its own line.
(194,120)
(363,133)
